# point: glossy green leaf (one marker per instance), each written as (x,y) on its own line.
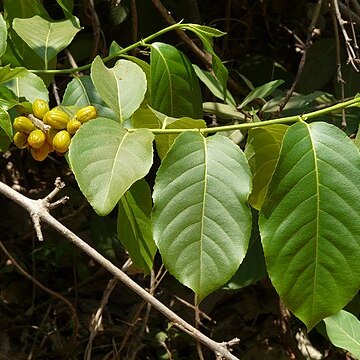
(261,92)
(201,219)
(44,37)
(175,89)
(122,87)
(165,141)
(5,123)
(343,330)
(134,225)
(29,86)
(3,35)
(214,85)
(106,160)
(81,92)
(310,221)
(262,151)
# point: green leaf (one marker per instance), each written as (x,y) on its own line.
(262,151)
(24,9)
(165,141)
(144,117)
(201,220)
(29,86)
(134,225)
(205,30)
(44,37)
(9,100)
(223,111)
(253,268)
(122,87)
(343,330)
(261,92)
(6,73)
(214,85)
(310,221)
(81,92)
(5,123)
(296,105)
(205,34)
(175,89)
(67,5)
(3,35)
(357,139)
(106,160)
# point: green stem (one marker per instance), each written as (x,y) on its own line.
(142,42)
(284,120)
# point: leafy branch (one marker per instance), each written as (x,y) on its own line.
(142,42)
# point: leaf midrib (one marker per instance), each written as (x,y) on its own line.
(203,213)
(170,82)
(316,171)
(113,165)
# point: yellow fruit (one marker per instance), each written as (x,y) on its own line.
(56,118)
(23,124)
(86,113)
(50,135)
(61,141)
(40,108)
(73,126)
(41,153)
(36,139)
(20,140)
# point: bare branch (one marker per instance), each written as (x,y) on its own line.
(40,208)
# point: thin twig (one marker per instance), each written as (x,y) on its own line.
(197,326)
(134,23)
(72,62)
(339,77)
(312,26)
(349,49)
(39,207)
(349,13)
(56,93)
(38,123)
(97,320)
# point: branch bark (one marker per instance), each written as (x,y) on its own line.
(40,209)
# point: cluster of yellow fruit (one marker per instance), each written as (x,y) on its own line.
(56,136)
